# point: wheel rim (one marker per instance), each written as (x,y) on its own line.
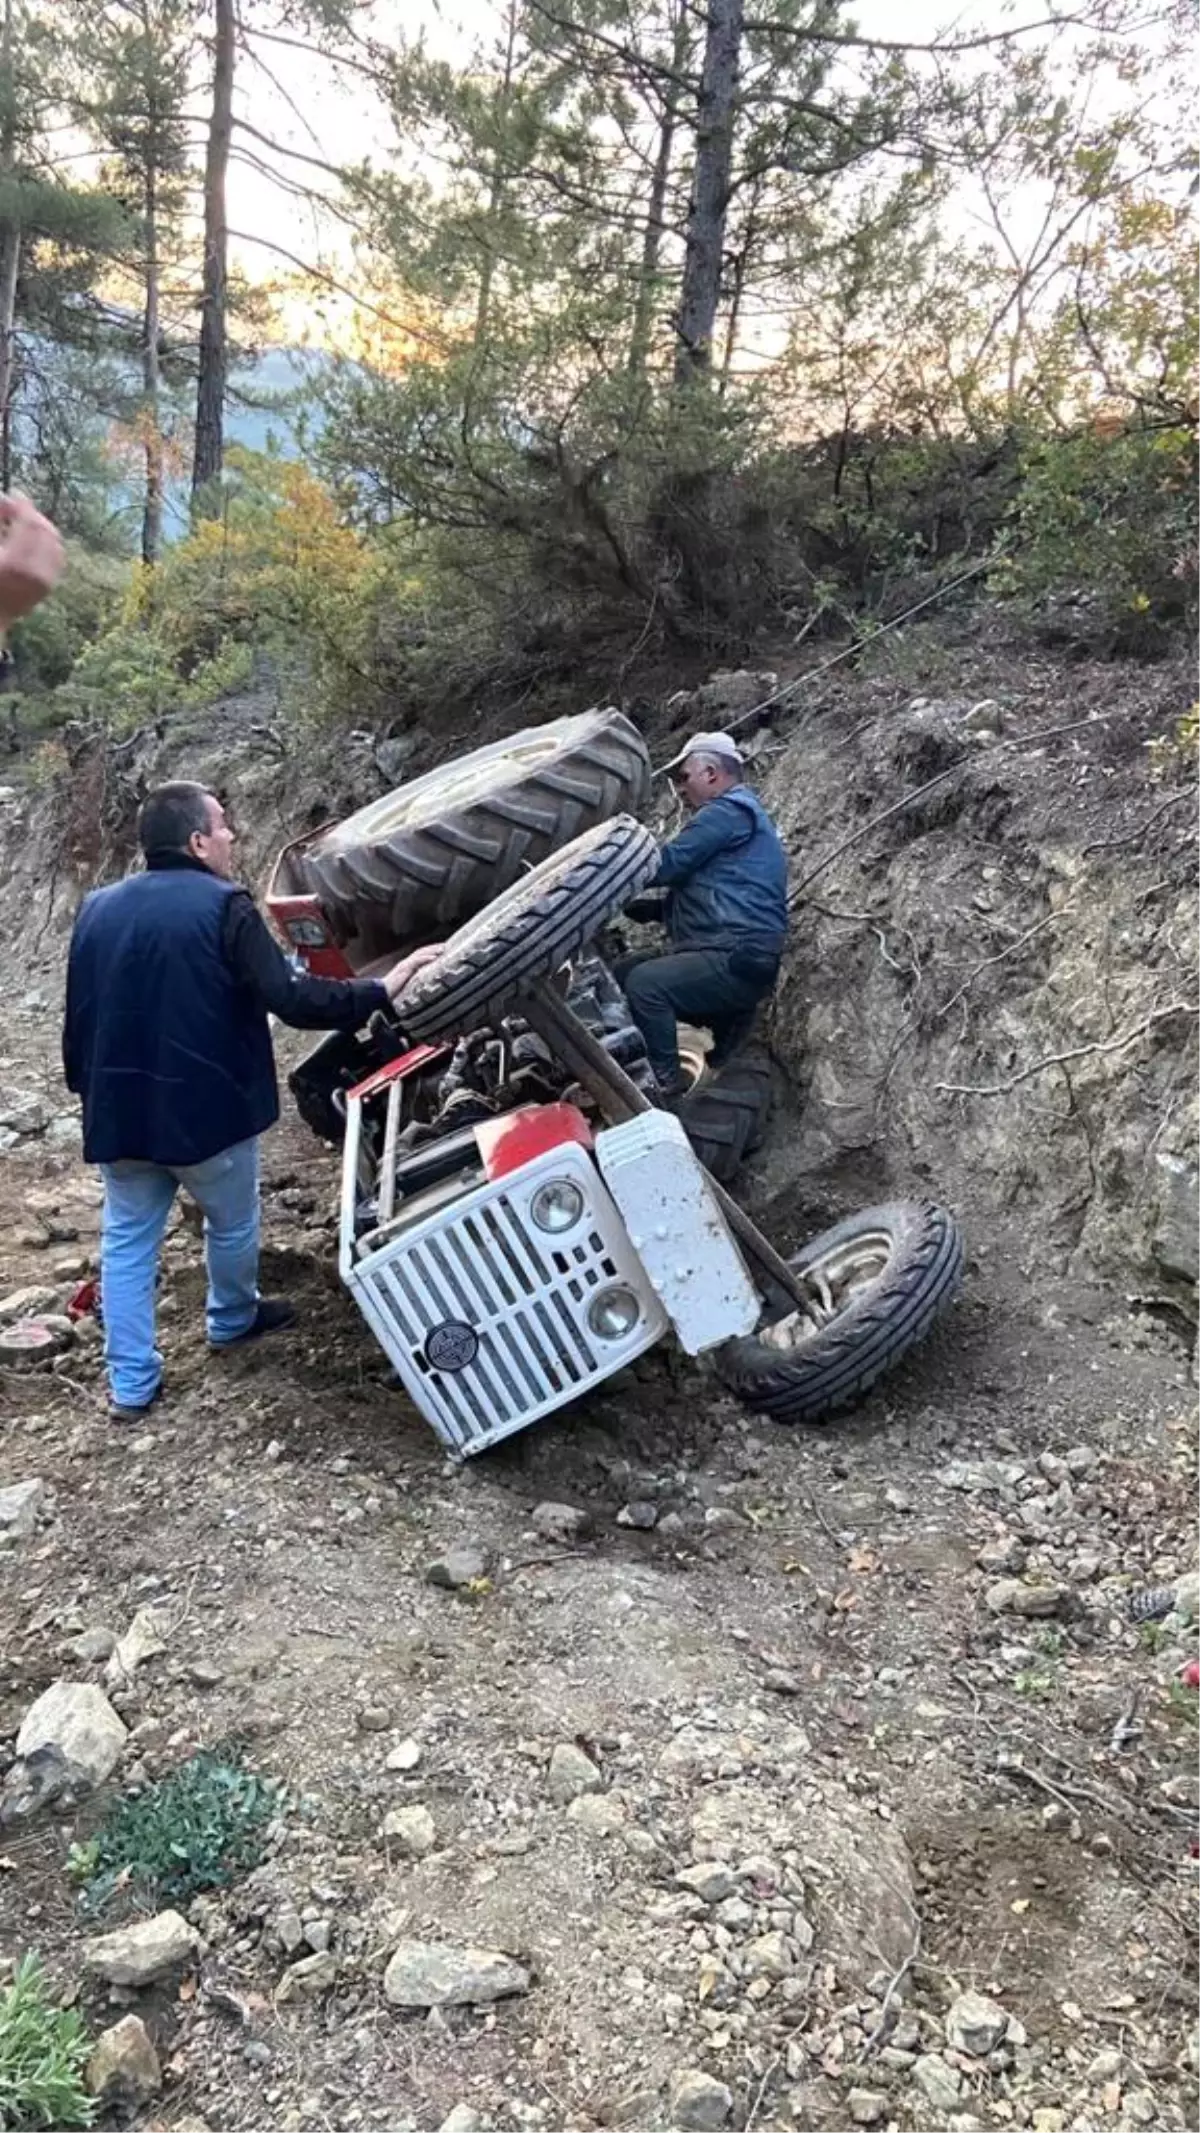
(443,790)
(693,1055)
(836,1279)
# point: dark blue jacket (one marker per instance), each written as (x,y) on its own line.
(166,1039)
(727,877)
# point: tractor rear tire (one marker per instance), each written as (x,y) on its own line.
(725,1114)
(420,860)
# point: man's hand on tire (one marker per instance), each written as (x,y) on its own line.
(402,973)
(31,558)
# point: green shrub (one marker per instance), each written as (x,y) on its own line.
(194,1830)
(48,642)
(1110,519)
(43,2052)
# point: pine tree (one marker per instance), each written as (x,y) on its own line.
(135,63)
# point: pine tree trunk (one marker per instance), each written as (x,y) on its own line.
(642,332)
(10,250)
(152,510)
(210,388)
(487,271)
(710,193)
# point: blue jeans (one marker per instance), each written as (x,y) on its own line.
(705,985)
(138,1198)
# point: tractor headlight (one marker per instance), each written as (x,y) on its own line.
(557,1207)
(614,1313)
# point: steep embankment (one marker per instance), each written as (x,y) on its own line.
(991,993)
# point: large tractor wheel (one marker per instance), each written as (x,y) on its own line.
(531,931)
(422,859)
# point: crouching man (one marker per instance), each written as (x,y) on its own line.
(171,977)
(726,913)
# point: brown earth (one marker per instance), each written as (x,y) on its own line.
(797,1662)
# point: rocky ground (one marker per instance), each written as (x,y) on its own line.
(663,1770)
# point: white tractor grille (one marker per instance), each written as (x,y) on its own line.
(482,1264)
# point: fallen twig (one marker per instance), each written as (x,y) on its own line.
(1079,1051)
(875,2037)
(1128,1727)
(756,2106)
(1116,844)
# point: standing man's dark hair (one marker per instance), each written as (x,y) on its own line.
(171,978)
(171,817)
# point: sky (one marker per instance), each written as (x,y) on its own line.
(315,108)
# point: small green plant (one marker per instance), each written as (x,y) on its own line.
(1049,1642)
(43,2051)
(196,1829)
(1033,1681)
(1155,1636)
(1185,1703)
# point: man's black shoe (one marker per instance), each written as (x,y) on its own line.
(670,1094)
(118,1413)
(272,1315)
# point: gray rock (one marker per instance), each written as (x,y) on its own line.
(394,754)
(289,1928)
(698,2104)
(729,690)
(1011,1597)
(641,1514)
(1187,1596)
(984,717)
(373,1718)
(938,2082)
(1003,1555)
(77,1720)
(144,1639)
(23,1111)
(410,1831)
(1182,1791)
(1176,1217)
(123,2070)
(975,2025)
(781,1683)
(560,1522)
(867,2107)
(458,1567)
(404,1756)
(138,1954)
(735,1914)
(426,1974)
(599,1814)
(571,1773)
(93,1645)
(463,2119)
(769,1956)
(19,1507)
(711,1880)
(26,1303)
(307,1979)
(971,1476)
(860,1896)
(1080,1460)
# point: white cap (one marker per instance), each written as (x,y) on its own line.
(721,745)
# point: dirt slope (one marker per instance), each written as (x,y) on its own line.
(795,1674)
